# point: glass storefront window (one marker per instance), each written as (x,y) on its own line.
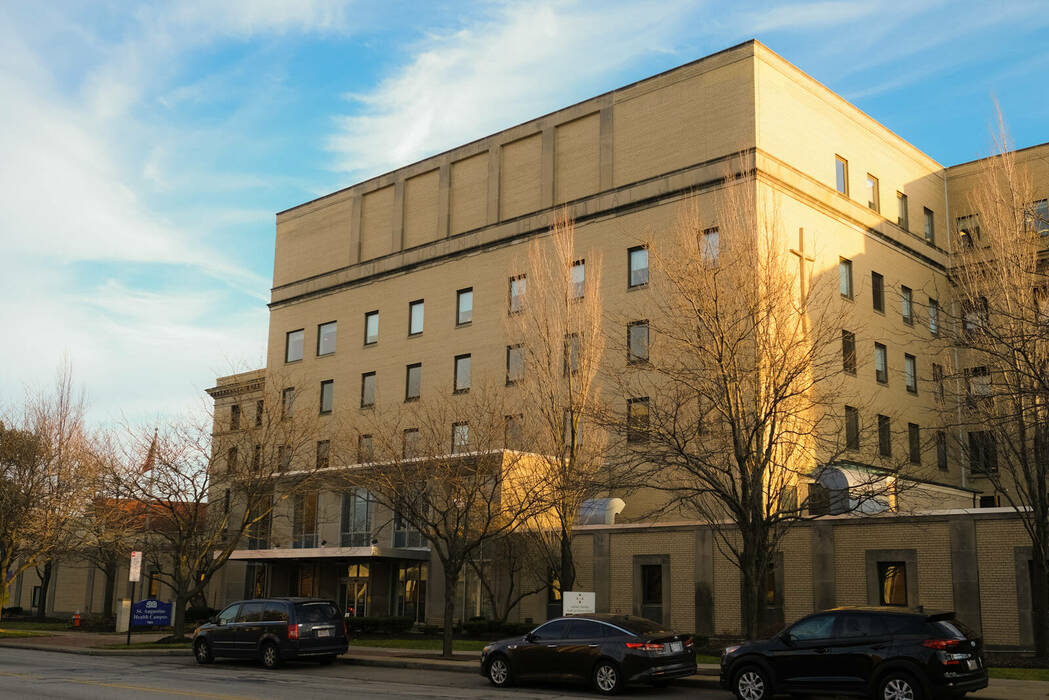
(410,593)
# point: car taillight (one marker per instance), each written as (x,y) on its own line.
(942,644)
(293,631)
(688,642)
(644,646)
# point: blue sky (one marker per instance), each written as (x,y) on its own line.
(147,146)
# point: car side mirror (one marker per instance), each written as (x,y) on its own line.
(214,619)
(530,637)
(787,639)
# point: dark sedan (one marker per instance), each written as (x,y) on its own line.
(887,653)
(609,651)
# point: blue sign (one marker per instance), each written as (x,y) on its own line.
(151,613)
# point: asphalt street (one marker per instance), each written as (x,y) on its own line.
(35,674)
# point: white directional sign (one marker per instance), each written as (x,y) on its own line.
(135,571)
(578,603)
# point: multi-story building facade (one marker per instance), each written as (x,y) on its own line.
(382,288)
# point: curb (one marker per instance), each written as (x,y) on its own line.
(90,651)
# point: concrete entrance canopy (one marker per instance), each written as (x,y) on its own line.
(281,554)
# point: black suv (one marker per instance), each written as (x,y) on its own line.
(272,630)
(887,653)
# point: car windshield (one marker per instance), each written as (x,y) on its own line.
(316,612)
(953,629)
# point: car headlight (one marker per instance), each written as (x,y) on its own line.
(729,650)
(486,649)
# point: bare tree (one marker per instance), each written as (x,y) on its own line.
(557,345)
(46,480)
(727,396)
(999,327)
(201,493)
(440,467)
(509,571)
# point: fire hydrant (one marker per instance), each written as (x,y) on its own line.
(76,619)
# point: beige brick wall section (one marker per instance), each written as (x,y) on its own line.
(377,223)
(727,597)
(995,540)
(519,180)
(576,148)
(797,574)
(583,557)
(420,208)
(325,227)
(469,197)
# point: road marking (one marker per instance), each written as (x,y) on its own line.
(124,686)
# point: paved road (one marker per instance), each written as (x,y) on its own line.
(35,674)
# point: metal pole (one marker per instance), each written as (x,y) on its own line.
(130,614)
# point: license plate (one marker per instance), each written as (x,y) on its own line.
(323,633)
(974,664)
(676,647)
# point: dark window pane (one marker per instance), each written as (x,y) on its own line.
(326,334)
(552,630)
(293,346)
(892,583)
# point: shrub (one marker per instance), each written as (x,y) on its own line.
(13,610)
(514,629)
(477,626)
(380,625)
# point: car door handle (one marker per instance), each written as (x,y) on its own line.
(821,650)
(551,646)
(593,646)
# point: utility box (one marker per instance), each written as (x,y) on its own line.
(123,614)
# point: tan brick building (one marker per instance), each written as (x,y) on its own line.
(415,267)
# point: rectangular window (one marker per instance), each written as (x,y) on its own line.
(256,458)
(914,444)
(571,354)
(327,395)
(514,364)
(637,342)
(878,291)
(638,260)
(464,306)
(260,407)
(941,450)
(518,289)
(988,501)
(234,417)
(326,335)
(937,381)
(934,317)
(413,381)
(873,193)
(983,452)
(323,453)
(710,245)
(884,436)
(907,305)
(578,279)
(848,352)
(910,373)
(969,228)
(356,518)
(978,383)
(304,521)
(514,433)
(841,175)
(411,443)
(293,345)
(930,226)
(231,459)
(367,389)
(415,317)
(573,429)
(1037,217)
(406,535)
(845,277)
(462,374)
(365,449)
(637,419)
(283,458)
(881,364)
(460,438)
(852,428)
(371,328)
(652,591)
(892,583)
(976,315)
(287,401)
(902,217)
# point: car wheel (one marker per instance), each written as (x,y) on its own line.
(202,652)
(606,677)
(499,671)
(897,685)
(270,655)
(752,683)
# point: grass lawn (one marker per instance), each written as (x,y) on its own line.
(705,659)
(148,645)
(14,634)
(1020,674)
(433,643)
(22,625)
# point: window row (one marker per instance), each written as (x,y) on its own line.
(881,362)
(907,314)
(1036,220)
(873,195)
(884,430)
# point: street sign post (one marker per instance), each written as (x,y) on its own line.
(578,603)
(134,575)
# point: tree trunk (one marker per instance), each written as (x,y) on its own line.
(450,581)
(178,614)
(45,584)
(110,572)
(1040,603)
